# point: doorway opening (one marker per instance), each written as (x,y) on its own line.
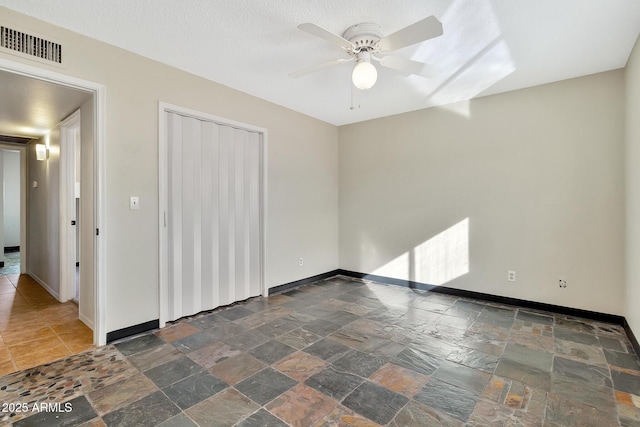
(60,272)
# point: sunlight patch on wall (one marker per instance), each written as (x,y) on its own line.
(442,258)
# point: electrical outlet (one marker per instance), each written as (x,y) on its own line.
(300,261)
(562,283)
(511,276)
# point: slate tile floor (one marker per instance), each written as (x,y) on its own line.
(344,352)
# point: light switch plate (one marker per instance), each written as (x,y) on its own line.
(134,202)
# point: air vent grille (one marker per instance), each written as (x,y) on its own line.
(11,139)
(30,45)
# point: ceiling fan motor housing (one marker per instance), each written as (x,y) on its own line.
(364,36)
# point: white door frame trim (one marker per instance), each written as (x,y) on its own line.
(100,243)
(67,205)
(164,107)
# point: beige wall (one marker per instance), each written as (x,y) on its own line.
(302,217)
(632,155)
(537,173)
(43,213)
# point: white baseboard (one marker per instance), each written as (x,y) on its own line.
(45,286)
(84,319)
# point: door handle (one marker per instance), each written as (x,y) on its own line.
(73,222)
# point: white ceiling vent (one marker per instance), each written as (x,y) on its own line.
(32,46)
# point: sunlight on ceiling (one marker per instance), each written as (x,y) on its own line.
(472,58)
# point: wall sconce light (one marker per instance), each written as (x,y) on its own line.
(42,152)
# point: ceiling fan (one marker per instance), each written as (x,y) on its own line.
(365,42)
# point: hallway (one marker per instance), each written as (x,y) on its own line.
(34,327)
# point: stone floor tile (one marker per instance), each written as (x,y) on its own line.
(382,348)
(261,418)
(265,386)
(278,327)
(462,376)
(348,337)
(180,420)
(343,417)
(213,354)
(532,341)
(235,313)
(115,396)
(194,389)
(592,395)
(138,344)
(194,342)
(176,332)
(610,343)
(247,340)
(358,363)
(224,409)
(148,411)
(491,414)
(171,372)
(547,368)
(334,383)
(417,360)
(524,374)
(563,412)
(302,406)
(582,372)
(399,379)
(622,360)
(590,354)
(224,330)
(448,399)
(327,349)
(154,356)
(321,327)
(73,412)
(575,336)
(474,359)
(538,359)
(271,351)
(534,317)
(299,338)
(237,368)
(300,365)
(374,402)
(628,383)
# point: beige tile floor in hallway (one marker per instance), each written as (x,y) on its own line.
(34,327)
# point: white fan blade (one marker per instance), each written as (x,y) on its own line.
(327,35)
(423,30)
(408,66)
(315,68)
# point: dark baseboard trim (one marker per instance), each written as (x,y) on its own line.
(593,315)
(132,330)
(288,286)
(632,337)
(8,249)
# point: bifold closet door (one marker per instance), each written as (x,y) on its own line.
(214,215)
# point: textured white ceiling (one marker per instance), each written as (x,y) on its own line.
(31,107)
(488,46)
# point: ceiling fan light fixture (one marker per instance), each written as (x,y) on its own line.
(364,74)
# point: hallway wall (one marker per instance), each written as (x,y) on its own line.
(43,218)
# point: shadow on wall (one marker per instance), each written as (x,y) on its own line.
(441,259)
